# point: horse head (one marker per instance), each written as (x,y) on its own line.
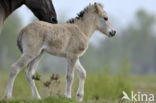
(42,9)
(103,23)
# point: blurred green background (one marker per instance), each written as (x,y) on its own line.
(124,63)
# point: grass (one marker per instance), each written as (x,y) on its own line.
(45,100)
(55,100)
(100,87)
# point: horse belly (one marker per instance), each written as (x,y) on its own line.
(56,48)
(54,51)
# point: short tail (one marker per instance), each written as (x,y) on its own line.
(19,41)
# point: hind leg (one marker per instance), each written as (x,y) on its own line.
(15,69)
(32,66)
(1,24)
(1,18)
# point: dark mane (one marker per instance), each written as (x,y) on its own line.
(79,15)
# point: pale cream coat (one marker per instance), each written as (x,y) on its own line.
(68,40)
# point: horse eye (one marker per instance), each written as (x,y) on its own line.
(105,18)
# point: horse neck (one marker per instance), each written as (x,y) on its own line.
(11,5)
(87,25)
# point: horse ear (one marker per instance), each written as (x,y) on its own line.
(98,8)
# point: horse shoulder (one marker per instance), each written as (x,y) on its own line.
(78,42)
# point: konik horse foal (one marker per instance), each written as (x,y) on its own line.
(68,40)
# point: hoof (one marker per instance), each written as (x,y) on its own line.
(68,96)
(80,97)
(7,96)
(38,97)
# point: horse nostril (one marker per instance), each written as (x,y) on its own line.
(112,33)
(53,20)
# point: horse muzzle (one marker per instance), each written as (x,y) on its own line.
(112,33)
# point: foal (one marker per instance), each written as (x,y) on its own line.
(68,40)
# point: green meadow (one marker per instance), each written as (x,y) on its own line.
(100,87)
